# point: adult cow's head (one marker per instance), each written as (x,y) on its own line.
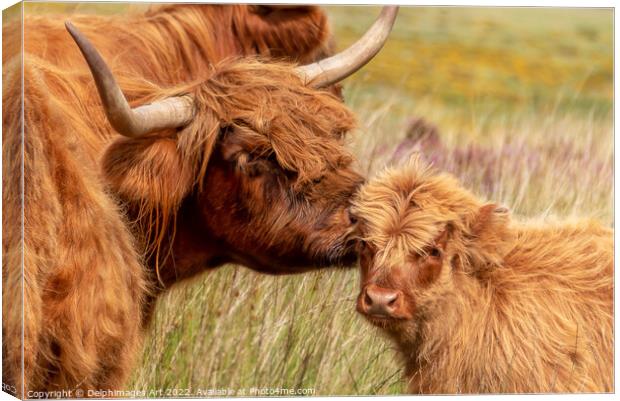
(247,166)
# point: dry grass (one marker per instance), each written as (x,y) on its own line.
(521,100)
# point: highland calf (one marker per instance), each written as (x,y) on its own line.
(477,303)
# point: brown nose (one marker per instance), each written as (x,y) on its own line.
(380,302)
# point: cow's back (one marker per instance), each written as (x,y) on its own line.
(175,44)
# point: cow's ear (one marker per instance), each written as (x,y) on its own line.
(148,172)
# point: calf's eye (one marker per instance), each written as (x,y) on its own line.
(435,253)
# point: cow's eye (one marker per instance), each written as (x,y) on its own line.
(254,169)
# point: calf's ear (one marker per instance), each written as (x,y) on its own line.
(491,236)
(442,239)
(490,217)
(147,172)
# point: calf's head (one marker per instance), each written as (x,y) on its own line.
(422,236)
(248,165)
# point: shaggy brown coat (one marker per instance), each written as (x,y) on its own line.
(109,222)
(480,304)
(170,44)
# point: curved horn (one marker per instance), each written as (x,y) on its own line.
(167,113)
(339,66)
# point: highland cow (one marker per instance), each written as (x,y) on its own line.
(477,303)
(245,165)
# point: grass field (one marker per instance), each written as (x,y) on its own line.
(521,103)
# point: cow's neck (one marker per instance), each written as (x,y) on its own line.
(190,250)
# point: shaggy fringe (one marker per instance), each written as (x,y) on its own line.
(391,225)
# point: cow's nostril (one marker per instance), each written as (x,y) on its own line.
(367,299)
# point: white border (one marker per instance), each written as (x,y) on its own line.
(484,3)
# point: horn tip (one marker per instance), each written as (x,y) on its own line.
(71,28)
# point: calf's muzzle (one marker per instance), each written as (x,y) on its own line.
(379,302)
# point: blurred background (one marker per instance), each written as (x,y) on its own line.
(517,102)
